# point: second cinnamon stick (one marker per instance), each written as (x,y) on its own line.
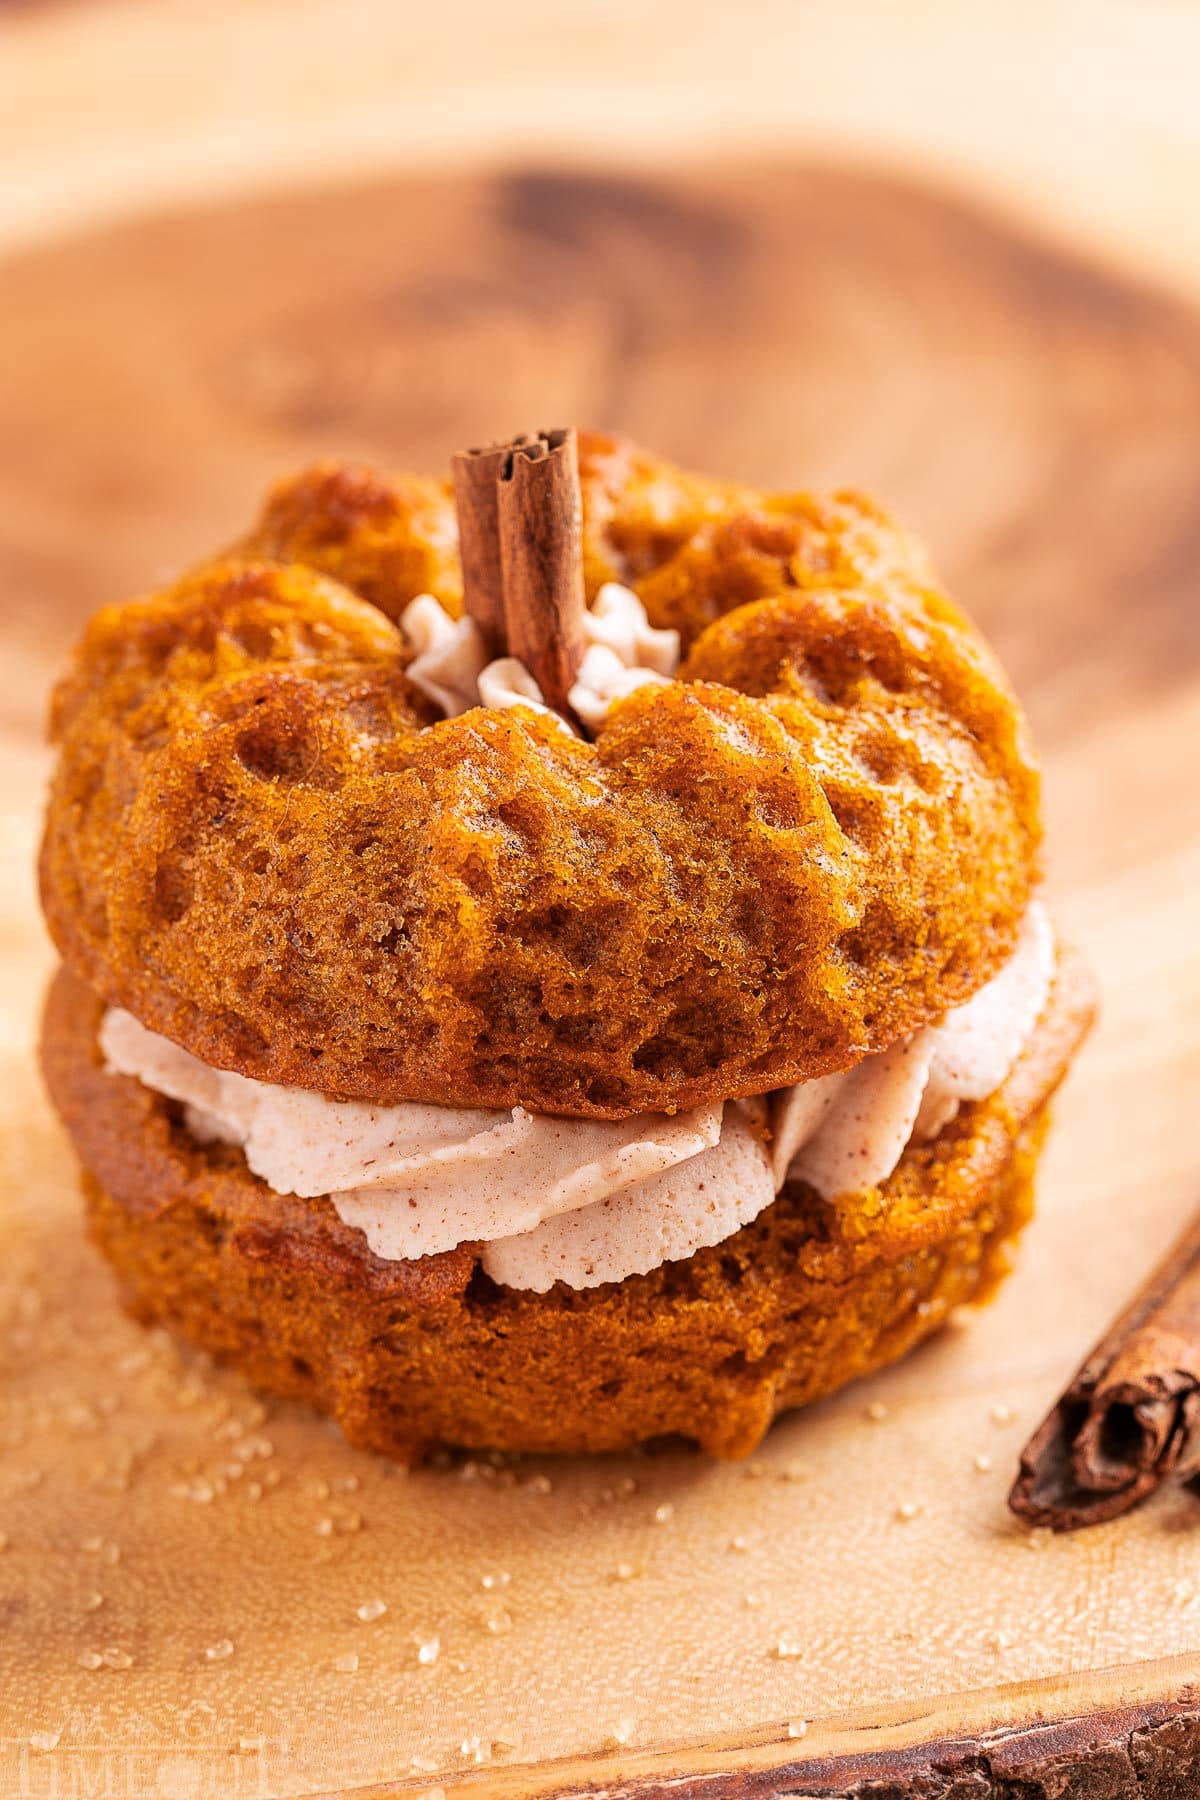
(1131,1416)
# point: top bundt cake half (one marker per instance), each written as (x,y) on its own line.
(266,842)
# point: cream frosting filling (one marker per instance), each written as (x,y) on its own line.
(624,651)
(665,1218)
(585,1201)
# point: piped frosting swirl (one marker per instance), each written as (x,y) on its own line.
(624,652)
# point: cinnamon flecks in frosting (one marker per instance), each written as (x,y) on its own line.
(665,1218)
(584,1201)
(526,1169)
(624,651)
(867,1119)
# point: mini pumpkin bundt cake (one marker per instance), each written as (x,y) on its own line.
(552,958)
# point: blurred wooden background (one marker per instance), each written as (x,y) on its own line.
(1084,111)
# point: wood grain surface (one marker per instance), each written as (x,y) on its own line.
(1038,419)
(1080,111)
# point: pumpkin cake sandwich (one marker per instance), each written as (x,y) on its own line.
(551,958)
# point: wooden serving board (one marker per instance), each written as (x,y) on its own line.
(641,1623)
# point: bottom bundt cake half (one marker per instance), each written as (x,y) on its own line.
(406,1355)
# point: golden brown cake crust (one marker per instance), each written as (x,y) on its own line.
(410,1354)
(822,836)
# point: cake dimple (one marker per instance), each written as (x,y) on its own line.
(263,843)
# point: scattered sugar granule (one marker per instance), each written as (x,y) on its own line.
(663,1513)
(219,1651)
(371,1609)
(248,1449)
(199,1488)
(983,1463)
(45,1740)
(908,1509)
(1002,1414)
(786,1648)
(346,1663)
(428,1650)
(798,1728)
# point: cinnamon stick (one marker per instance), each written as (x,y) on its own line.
(541,554)
(476,474)
(1131,1416)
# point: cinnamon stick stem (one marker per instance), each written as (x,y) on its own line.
(476,474)
(1131,1415)
(541,554)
